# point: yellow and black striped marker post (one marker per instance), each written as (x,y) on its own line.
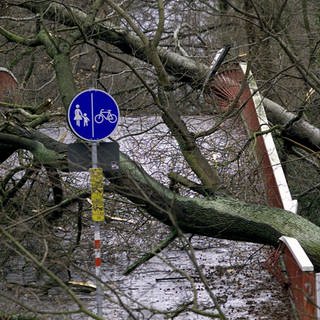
(96,182)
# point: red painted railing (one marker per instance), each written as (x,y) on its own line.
(302,279)
(8,82)
(299,274)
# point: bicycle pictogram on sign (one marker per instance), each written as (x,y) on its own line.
(105,115)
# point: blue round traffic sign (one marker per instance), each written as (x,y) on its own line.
(93,115)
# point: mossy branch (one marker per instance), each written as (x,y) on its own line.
(13,37)
(39,151)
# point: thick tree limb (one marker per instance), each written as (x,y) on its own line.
(183,68)
(40,152)
(221,217)
(37,142)
(300,130)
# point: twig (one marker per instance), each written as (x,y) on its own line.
(147,256)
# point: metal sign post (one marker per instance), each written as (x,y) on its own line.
(93,115)
(96,182)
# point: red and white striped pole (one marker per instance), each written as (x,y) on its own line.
(97,257)
(96,182)
(97,249)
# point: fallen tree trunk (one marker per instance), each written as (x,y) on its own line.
(295,128)
(222,217)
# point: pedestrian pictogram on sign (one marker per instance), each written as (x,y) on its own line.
(93,115)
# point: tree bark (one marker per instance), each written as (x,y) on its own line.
(221,217)
(299,130)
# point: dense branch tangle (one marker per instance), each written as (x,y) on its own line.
(219,217)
